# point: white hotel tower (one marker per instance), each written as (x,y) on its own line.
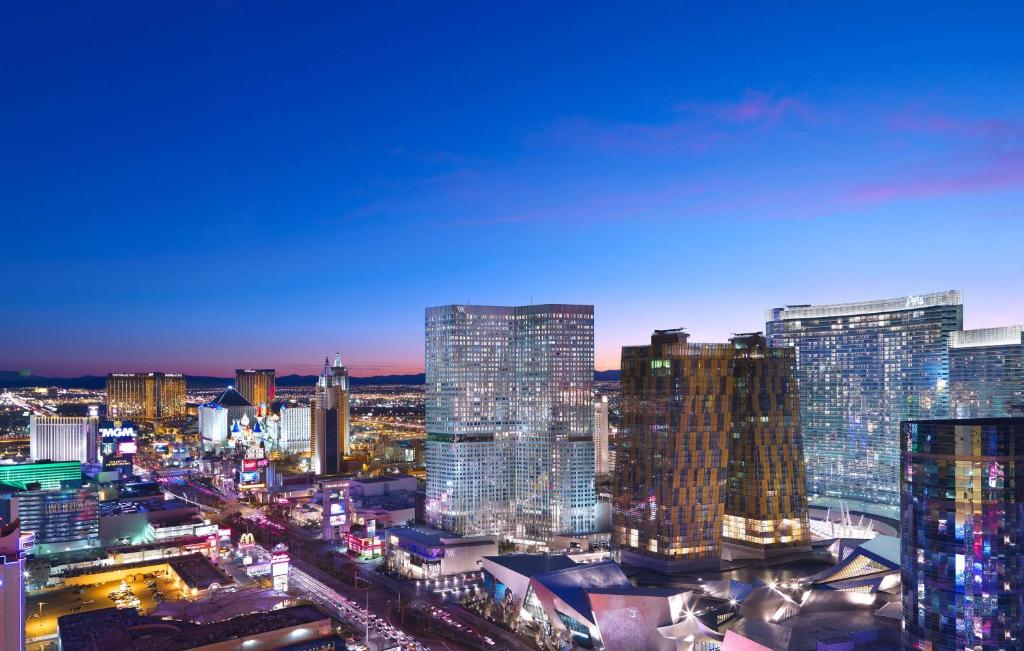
(510,420)
(63,438)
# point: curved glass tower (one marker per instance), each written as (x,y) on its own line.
(862,369)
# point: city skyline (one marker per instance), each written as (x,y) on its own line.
(170,207)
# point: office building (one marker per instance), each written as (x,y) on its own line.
(48,474)
(62,519)
(986,372)
(963,533)
(709,451)
(257,385)
(12,588)
(62,438)
(602,452)
(862,368)
(145,396)
(330,419)
(295,429)
(509,420)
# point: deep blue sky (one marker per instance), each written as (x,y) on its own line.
(201,186)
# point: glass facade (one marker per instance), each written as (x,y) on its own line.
(145,396)
(986,372)
(709,448)
(331,419)
(509,419)
(257,385)
(962,534)
(62,519)
(863,368)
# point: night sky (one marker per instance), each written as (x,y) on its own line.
(200,186)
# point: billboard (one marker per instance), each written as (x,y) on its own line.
(118,444)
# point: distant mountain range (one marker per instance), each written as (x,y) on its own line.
(14,379)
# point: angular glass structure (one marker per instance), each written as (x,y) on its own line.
(986,372)
(962,564)
(509,420)
(863,368)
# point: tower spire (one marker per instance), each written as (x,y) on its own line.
(337,360)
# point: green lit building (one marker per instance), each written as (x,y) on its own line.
(48,474)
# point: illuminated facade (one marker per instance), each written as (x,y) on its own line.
(257,385)
(602,456)
(296,431)
(709,451)
(12,587)
(330,419)
(862,368)
(962,534)
(46,474)
(145,396)
(986,372)
(63,519)
(63,438)
(766,490)
(510,420)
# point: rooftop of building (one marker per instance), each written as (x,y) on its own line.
(38,465)
(114,628)
(381,479)
(571,584)
(948,298)
(160,544)
(393,502)
(533,564)
(428,536)
(198,572)
(885,547)
(1005,336)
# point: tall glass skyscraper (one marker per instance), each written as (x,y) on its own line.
(862,369)
(962,524)
(709,453)
(986,372)
(510,446)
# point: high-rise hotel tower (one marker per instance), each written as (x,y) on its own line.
(330,414)
(986,372)
(962,534)
(257,385)
(709,453)
(862,369)
(145,396)
(509,405)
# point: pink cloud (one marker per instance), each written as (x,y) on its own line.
(643,138)
(1005,171)
(698,127)
(1009,132)
(756,108)
(994,149)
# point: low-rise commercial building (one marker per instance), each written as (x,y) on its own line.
(296,627)
(425,553)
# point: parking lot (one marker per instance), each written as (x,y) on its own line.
(133,592)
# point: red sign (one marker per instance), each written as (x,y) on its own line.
(248,465)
